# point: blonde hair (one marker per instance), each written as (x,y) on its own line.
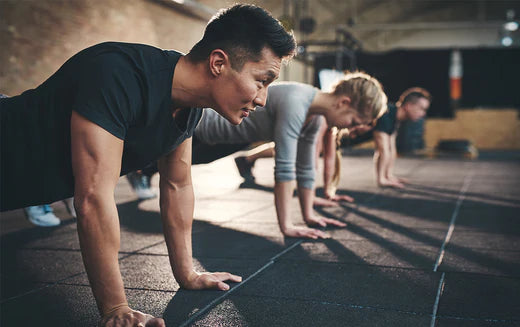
(365,92)
(331,189)
(367,96)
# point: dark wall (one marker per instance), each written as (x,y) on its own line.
(490,75)
(491,78)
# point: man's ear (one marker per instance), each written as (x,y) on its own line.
(218,60)
(406,109)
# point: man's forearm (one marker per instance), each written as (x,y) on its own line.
(98,231)
(392,158)
(381,164)
(177,216)
(382,156)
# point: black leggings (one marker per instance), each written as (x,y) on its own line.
(202,153)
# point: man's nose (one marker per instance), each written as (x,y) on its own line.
(261,97)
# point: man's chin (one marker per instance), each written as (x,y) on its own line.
(234,120)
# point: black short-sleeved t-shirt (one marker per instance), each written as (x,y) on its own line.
(388,123)
(124,88)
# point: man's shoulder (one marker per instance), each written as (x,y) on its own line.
(134,55)
(386,121)
(121,46)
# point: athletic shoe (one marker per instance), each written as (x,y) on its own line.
(244,168)
(42,216)
(141,185)
(69,204)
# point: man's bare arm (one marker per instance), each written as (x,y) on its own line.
(96,162)
(177,204)
(383,159)
(393,157)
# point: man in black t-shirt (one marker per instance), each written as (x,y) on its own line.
(412,105)
(116,107)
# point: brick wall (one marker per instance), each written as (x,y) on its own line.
(37,37)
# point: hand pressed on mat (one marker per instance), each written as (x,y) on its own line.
(323,222)
(207,280)
(122,315)
(306,232)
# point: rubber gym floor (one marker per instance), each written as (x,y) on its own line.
(445,251)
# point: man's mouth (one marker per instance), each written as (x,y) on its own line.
(245,112)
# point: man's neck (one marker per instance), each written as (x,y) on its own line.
(189,85)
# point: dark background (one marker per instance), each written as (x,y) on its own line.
(490,76)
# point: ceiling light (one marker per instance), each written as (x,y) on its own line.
(507,41)
(511,26)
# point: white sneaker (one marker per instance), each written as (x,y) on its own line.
(141,185)
(42,216)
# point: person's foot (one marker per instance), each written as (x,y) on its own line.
(244,168)
(141,185)
(69,204)
(41,216)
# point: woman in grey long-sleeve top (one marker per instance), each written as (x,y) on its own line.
(291,118)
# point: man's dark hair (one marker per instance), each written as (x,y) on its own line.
(413,94)
(242,31)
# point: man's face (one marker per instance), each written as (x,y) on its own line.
(238,93)
(416,110)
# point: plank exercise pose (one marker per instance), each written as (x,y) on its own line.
(116,107)
(412,105)
(292,118)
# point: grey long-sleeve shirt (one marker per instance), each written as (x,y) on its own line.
(284,121)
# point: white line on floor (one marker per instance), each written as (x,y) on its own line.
(436,304)
(462,196)
(226,294)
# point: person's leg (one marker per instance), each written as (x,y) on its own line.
(150,170)
(140,183)
(42,215)
(245,163)
(203,153)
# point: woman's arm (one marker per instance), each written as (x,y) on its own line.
(283,194)
(330,168)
